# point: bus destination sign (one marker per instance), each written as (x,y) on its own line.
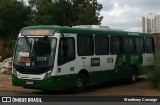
(37,32)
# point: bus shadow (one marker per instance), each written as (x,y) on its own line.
(56,92)
(116,83)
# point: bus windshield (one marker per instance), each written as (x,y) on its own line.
(35,51)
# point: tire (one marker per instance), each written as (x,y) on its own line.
(81,83)
(133,77)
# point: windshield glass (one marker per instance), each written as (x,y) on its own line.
(35,52)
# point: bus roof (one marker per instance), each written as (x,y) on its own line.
(67,29)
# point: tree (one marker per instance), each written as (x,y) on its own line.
(88,12)
(13,16)
(67,12)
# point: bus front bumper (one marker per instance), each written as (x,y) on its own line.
(52,83)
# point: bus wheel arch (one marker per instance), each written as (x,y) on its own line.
(82,80)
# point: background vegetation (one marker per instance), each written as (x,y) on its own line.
(154,76)
(14,15)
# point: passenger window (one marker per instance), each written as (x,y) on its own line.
(149,45)
(128,45)
(115,45)
(139,45)
(85,45)
(101,45)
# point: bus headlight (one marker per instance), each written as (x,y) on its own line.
(48,74)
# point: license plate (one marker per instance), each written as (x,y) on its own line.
(29,83)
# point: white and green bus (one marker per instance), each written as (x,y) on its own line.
(60,57)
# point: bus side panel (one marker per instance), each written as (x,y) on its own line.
(116,69)
(122,67)
(101,76)
(66,81)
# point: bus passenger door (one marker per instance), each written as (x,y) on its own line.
(66,60)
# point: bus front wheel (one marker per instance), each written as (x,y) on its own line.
(81,83)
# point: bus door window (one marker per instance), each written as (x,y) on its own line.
(61,51)
(66,50)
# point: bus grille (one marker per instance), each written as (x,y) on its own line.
(29,70)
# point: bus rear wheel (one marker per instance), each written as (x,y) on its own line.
(81,84)
(133,77)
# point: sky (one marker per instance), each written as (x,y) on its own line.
(126,14)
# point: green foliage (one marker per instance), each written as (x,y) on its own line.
(5,50)
(88,12)
(13,16)
(67,12)
(154,76)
